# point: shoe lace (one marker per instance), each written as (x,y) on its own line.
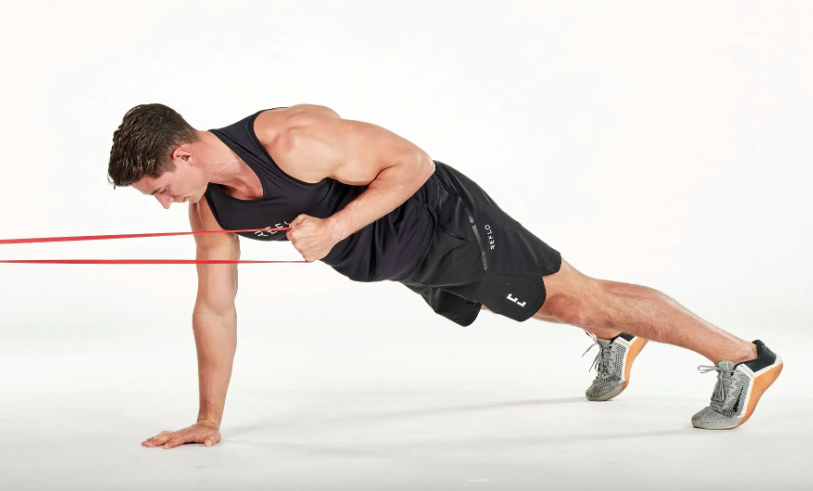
(723,376)
(600,361)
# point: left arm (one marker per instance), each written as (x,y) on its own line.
(318,144)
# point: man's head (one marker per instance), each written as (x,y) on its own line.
(154,151)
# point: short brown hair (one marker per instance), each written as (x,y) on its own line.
(144,141)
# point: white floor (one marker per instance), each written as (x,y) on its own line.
(414,440)
(401,417)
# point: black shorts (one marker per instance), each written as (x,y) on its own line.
(479,256)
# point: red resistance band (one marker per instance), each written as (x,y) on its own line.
(135,261)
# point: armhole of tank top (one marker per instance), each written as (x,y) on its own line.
(253,134)
(211,202)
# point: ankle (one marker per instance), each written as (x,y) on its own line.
(747,352)
(605,334)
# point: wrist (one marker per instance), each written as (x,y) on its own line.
(336,228)
(207,422)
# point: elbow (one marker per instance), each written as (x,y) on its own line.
(424,165)
(223,311)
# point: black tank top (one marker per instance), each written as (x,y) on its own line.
(388,248)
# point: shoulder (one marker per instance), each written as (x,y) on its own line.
(292,136)
(274,126)
(312,111)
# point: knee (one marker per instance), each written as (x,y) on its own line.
(565,308)
(576,305)
(572,297)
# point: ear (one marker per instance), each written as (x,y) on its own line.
(182,153)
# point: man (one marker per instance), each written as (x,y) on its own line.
(375,207)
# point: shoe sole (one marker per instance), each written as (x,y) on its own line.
(632,353)
(760,384)
(635,349)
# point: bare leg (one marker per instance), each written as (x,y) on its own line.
(608,307)
(599,332)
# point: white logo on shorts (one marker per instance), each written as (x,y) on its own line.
(515,300)
(490,235)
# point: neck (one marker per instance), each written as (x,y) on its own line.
(226,168)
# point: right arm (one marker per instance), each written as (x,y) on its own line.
(214,319)
(214,322)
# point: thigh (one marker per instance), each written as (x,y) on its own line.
(453,307)
(517,297)
(508,248)
(482,254)
(538,315)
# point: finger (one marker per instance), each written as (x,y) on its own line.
(175,442)
(155,443)
(163,434)
(158,440)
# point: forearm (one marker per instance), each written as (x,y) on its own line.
(389,190)
(216,343)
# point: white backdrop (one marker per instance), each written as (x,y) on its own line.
(665,144)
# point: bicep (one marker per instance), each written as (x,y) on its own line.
(217,283)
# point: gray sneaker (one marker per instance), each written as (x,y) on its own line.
(738,389)
(613,364)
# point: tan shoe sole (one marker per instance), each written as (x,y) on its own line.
(632,353)
(761,384)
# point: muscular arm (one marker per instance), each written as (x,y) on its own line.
(214,319)
(316,143)
(214,322)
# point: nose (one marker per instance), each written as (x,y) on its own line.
(164,200)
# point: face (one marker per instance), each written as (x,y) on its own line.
(186,183)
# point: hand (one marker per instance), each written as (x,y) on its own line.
(201,432)
(312,237)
